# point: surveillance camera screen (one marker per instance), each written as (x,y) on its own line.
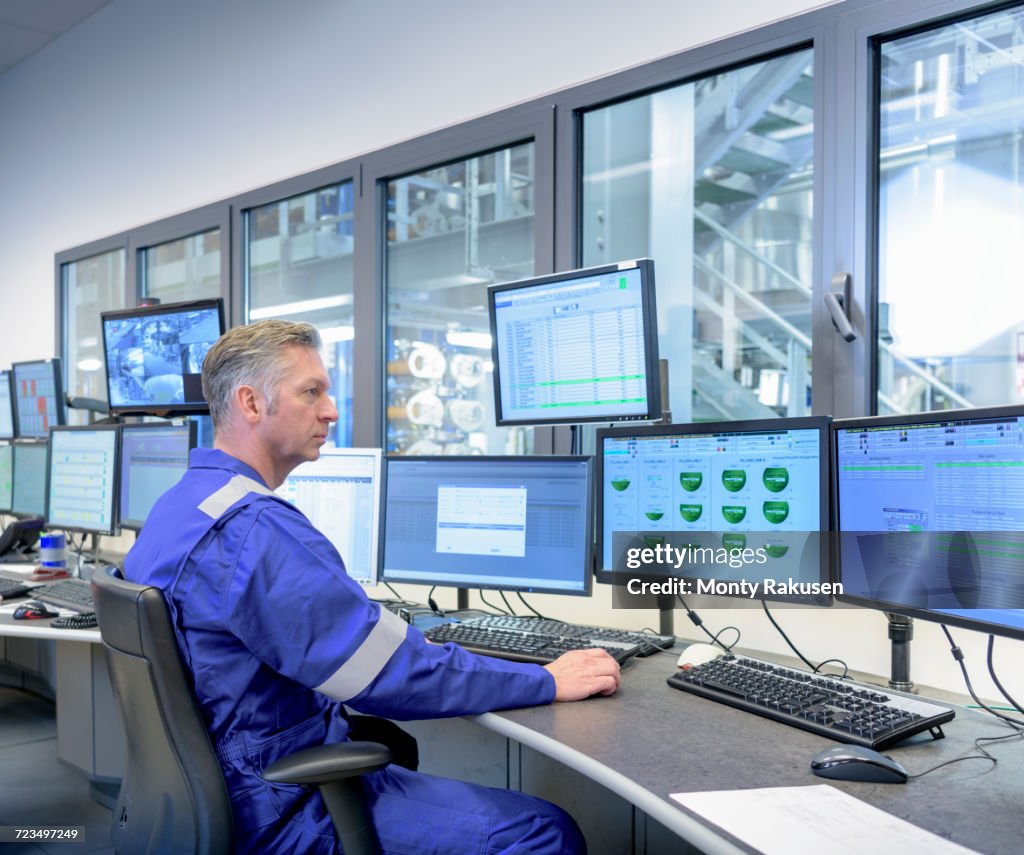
(155,356)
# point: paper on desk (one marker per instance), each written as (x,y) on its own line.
(814,819)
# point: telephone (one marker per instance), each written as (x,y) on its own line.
(20,533)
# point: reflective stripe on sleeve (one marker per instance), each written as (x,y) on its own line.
(363,666)
(237,488)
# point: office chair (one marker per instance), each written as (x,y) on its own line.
(173,796)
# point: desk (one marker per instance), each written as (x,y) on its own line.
(89,733)
(650,740)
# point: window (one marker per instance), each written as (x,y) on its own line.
(451,231)
(298,266)
(713,180)
(950,215)
(185,269)
(89,286)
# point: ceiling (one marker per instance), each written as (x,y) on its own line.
(28,25)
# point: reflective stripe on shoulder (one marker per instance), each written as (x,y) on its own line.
(363,666)
(237,488)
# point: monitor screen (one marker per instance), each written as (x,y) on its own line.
(28,495)
(341,495)
(153,458)
(38,397)
(514,523)
(930,514)
(154,356)
(6,407)
(730,508)
(82,487)
(6,476)
(575,347)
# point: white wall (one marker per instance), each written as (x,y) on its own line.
(153,107)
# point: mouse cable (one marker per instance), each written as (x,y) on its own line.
(983,755)
(804,659)
(995,678)
(508,605)
(696,621)
(531,608)
(958,655)
(490,605)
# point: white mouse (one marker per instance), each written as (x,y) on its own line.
(699,653)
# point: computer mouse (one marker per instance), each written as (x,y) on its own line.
(34,610)
(856,763)
(697,654)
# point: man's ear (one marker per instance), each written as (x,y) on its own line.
(250,404)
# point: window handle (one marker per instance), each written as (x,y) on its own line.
(836,301)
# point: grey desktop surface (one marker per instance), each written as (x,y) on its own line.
(650,740)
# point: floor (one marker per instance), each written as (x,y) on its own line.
(36,789)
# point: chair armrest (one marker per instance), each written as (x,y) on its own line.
(331,762)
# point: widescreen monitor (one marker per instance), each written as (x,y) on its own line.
(28,494)
(38,397)
(6,407)
(738,509)
(154,356)
(930,516)
(6,476)
(154,456)
(511,523)
(81,493)
(576,347)
(340,494)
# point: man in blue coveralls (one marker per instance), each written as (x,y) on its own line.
(278,638)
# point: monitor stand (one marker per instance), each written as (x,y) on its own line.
(666,614)
(901,632)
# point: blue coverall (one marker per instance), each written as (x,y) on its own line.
(277,637)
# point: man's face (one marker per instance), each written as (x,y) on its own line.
(303,412)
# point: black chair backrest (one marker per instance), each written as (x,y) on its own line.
(173,797)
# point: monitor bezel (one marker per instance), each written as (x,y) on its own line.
(650,337)
(528,459)
(193,432)
(116,499)
(148,409)
(929,417)
(58,391)
(378,521)
(35,442)
(9,445)
(607,576)
(7,376)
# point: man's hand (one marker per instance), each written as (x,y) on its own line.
(581,673)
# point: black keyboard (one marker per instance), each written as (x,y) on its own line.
(596,636)
(83,620)
(73,594)
(839,709)
(539,640)
(11,588)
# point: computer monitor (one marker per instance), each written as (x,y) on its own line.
(28,494)
(725,508)
(154,456)
(6,407)
(340,494)
(930,516)
(580,346)
(511,523)
(6,476)
(154,356)
(38,397)
(81,492)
